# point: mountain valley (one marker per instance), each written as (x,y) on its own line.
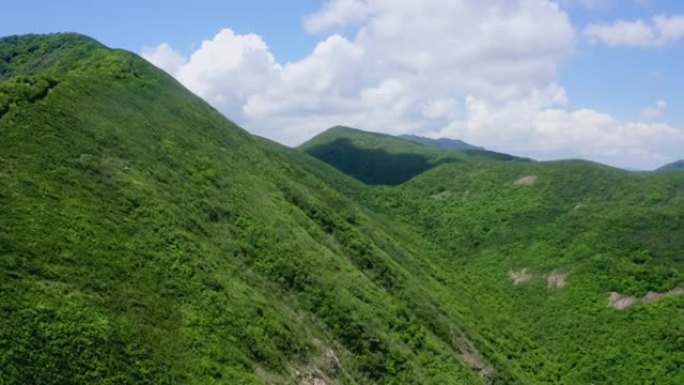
(145,238)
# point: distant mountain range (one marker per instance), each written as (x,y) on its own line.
(443,143)
(376,158)
(678,165)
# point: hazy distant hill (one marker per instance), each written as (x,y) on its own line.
(678,165)
(443,143)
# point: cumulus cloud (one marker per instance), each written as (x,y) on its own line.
(659,31)
(409,61)
(552,133)
(164,57)
(338,14)
(485,72)
(670,28)
(656,111)
(226,70)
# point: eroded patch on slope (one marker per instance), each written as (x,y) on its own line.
(322,370)
(469,355)
(621,302)
(519,276)
(527,180)
(556,280)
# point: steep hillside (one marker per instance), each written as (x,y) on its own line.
(585,260)
(443,143)
(146,239)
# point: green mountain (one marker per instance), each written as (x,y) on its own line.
(583,259)
(443,143)
(380,159)
(144,238)
(678,165)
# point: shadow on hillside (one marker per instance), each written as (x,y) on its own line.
(373,166)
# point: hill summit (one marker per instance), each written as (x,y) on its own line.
(380,159)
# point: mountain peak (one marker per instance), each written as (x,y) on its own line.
(26,55)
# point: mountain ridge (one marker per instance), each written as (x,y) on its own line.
(443,143)
(382,159)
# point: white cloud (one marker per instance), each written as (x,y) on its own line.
(407,59)
(228,69)
(588,4)
(481,71)
(599,5)
(440,108)
(623,33)
(656,111)
(660,31)
(552,133)
(670,28)
(164,57)
(337,14)
(225,70)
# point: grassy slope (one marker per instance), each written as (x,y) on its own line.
(146,239)
(606,229)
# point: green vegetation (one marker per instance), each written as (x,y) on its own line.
(571,232)
(369,158)
(144,238)
(380,159)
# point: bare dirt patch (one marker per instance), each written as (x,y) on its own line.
(654,296)
(444,195)
(322,370)
(314,378)
(519,276)
(527,180)
(467,353)
(556,280)
(621,302)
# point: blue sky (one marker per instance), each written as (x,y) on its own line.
(134,24)
(622,80)
(596,79)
